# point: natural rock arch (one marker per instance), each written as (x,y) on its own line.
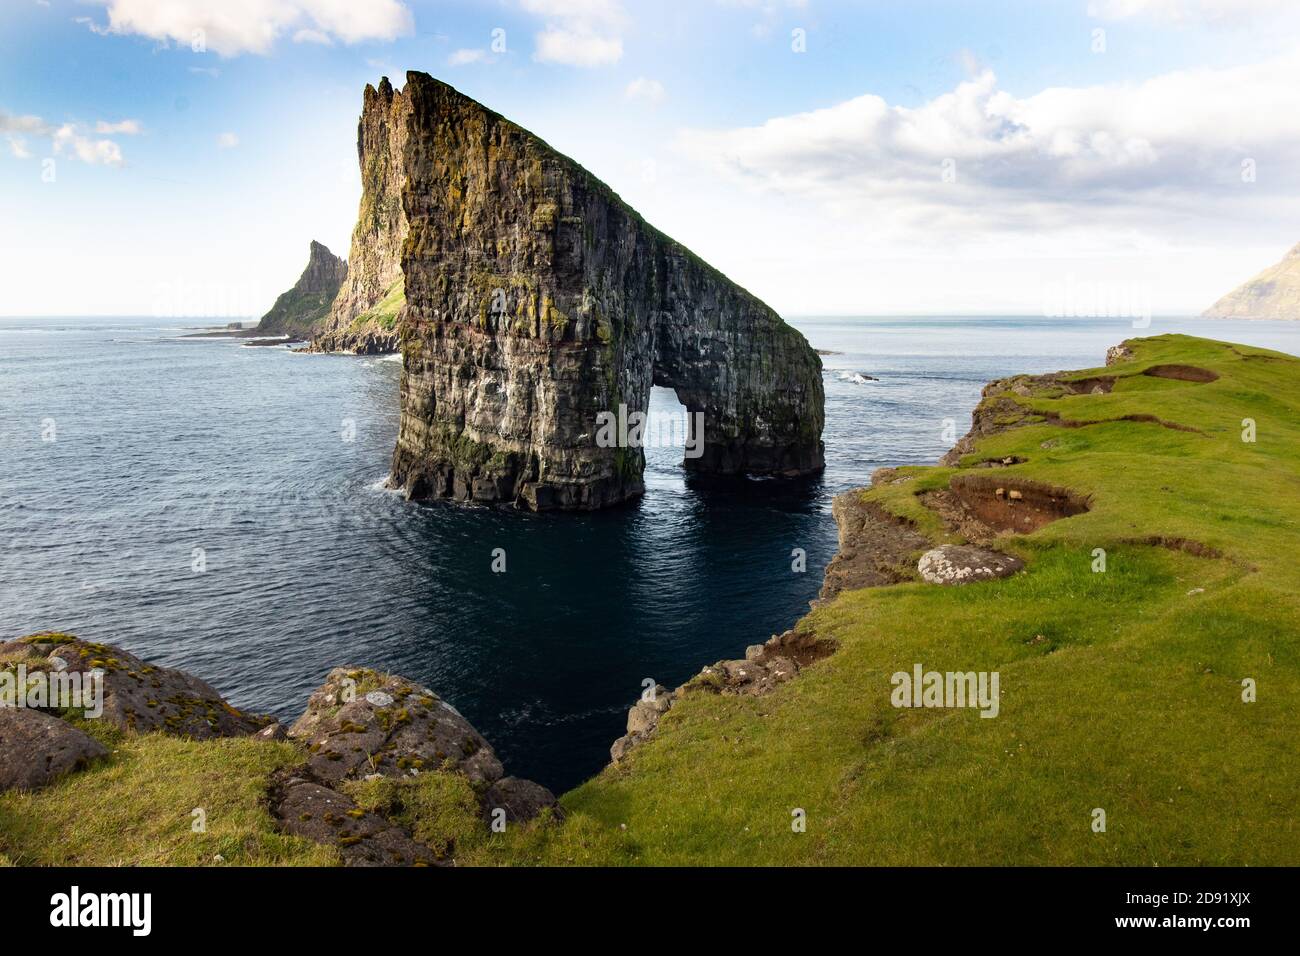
(536,300)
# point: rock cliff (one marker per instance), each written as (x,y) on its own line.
(1273,294)
(364,315)
(536,300)
(300,308)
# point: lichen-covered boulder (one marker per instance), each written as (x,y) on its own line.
(521,800)
(307,809)
(137,695)
(36,748)
(962,564)
(361,722)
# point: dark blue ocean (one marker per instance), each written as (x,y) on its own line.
(124,447)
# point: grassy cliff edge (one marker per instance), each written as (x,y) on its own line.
(1123,689)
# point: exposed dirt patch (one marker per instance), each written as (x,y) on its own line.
(876,548)
(1000,462)
(1099,385)
(1182,373)
(1256,356)
(1152,420)
(1054,418)
(979,507)
(1186,545)
(802,647)
(957,518)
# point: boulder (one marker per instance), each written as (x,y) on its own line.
(36,748)
(962,564)
(307,809)
(1118,353)
(273,731)
(144,697)
(361,722)
(522,800)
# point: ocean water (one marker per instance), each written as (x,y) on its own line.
(124,448)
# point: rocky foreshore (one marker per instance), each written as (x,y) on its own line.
(359,726)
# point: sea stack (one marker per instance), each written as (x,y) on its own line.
(536,300)
(300,308)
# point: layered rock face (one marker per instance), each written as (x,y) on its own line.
(536,300)
(1273,294)
(309,301)
(363,317)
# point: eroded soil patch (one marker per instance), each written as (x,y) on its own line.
(1054,418)
(1099,385)
(1186,545)
(802,647)
(1182,373)
(979,507)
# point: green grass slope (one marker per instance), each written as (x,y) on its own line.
(1121,690)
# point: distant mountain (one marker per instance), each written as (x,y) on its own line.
(297,310)
(1273,294)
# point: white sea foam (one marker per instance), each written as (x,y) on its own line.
(857,378)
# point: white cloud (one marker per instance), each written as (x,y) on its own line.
(1142,152)
(227,141)
(463,57)
(647,90)
(1186,11)
(585,33)
(23,124)
(128,127)
(233,27)
(846,208)
(68,139)
(607,12)
(306,35)
(577,48)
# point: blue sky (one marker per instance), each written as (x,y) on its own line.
(909,157)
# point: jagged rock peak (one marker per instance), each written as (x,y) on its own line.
(364,315)
(298,309)
(537,302)
(324,269)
